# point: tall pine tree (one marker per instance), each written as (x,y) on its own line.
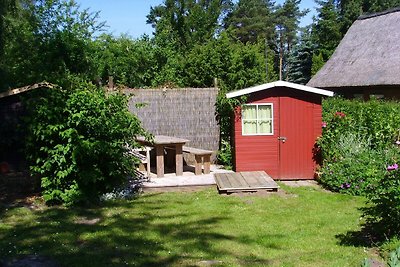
(287,25)
(251,20)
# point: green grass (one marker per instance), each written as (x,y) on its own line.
(305,227)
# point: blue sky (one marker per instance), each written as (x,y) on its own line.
(129,16)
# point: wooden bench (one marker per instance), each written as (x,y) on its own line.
(143,155)
(202,157)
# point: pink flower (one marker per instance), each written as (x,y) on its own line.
(323,124)
(392,167)
(397,142)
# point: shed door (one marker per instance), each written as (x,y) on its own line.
(296,139)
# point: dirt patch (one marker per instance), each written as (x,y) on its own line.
(176,189)
(86,221)
(261,193)
(299,183)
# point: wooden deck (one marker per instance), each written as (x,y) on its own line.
(244,182)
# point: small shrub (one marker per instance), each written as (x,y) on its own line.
(225,154)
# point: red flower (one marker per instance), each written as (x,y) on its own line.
(340,114)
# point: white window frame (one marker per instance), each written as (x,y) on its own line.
(257,119)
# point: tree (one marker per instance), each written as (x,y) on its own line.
(300,60)
(350,10)
(326,29)
(251,20)
(49,40)
(131,62)
(185,23)
(287,24)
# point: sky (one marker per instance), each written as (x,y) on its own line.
(129,16)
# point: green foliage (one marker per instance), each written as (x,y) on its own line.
(357,143)
(394,258)
(251,20)
(288,17)
(77,142)
(317,63)
(301,59)
(356,166)
(350,10)
(47,40)
(131,62)
(186,22)
(326,33)
(225,154)
(384,196)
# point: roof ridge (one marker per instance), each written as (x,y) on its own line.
(377,14)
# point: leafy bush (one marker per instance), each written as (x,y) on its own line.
(384,195)
(77,142)
(357,143)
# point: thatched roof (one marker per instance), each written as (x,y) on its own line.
(368,55)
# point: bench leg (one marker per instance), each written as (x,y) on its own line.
(160,161)
(198,162)
(207,159)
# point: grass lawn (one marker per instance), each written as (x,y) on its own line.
(304,227)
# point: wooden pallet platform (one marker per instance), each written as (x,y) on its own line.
(245,182)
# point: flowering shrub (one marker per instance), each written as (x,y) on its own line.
(358,143)
(355,165)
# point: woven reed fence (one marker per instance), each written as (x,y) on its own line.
(188,113)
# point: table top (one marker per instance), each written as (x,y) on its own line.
(163,140)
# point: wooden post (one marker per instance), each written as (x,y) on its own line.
(160,161)
(179,160)
(110,83)
(215,82)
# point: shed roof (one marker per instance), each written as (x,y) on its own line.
(271,85)
(368,55)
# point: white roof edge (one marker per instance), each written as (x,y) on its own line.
(279,84)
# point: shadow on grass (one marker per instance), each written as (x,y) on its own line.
(142,232)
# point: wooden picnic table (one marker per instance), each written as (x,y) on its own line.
(160,142)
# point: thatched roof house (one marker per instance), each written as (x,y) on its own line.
(367,60)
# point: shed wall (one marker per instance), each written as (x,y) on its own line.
(254,153)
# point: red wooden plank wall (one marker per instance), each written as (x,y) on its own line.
(301,114)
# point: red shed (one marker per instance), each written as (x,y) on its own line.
(276,129)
